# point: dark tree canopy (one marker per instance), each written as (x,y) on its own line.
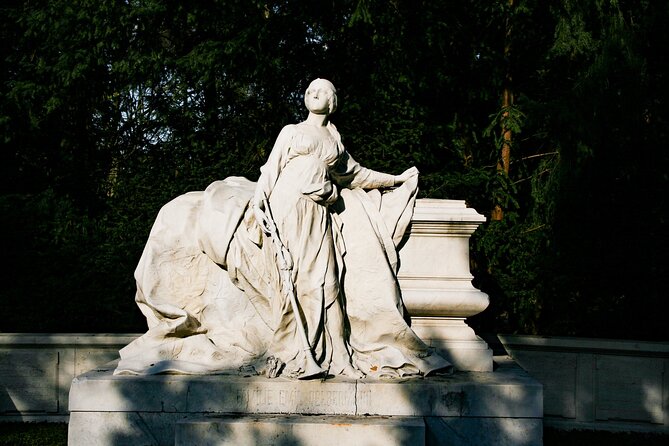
(109,109)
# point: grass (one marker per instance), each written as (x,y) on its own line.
(55,434)
(33,434)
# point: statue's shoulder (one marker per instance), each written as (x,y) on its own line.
(290,129)
(288,132)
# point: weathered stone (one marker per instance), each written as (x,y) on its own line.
(147,408)
(301,430)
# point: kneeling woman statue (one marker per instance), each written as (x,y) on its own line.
(294,275)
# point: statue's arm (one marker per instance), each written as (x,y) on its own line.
(269,173)
(349,173)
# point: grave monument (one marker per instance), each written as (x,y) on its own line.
(322,304)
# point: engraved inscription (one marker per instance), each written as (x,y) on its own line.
(364,399)
(283,400)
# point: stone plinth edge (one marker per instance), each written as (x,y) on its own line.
(446,211)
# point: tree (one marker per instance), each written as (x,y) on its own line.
(552,112)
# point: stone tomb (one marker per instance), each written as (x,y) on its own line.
(476,406)
(499,408)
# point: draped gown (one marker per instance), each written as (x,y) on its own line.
(209,286)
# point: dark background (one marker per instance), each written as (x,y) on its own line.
(110,109)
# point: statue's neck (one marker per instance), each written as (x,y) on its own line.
(317,120)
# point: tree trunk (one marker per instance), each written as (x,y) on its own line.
(507,101)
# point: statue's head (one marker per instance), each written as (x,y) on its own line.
(315,89)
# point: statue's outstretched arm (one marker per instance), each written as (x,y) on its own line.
(351,174)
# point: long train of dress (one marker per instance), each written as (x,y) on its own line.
(208,286)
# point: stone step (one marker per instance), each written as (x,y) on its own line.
(302,430)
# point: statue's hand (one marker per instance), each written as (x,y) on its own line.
(407,174)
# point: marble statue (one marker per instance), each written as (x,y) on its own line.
(293,276)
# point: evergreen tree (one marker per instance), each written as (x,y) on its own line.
(552,111)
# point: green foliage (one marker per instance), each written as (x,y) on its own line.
(592,261)
(110,109)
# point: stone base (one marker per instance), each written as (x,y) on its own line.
(456,342)
(498,408)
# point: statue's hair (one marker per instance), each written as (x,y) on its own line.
(332,95)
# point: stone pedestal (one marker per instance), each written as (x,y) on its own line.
(436,282)
(500,408)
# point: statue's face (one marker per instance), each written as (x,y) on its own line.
(318,96)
